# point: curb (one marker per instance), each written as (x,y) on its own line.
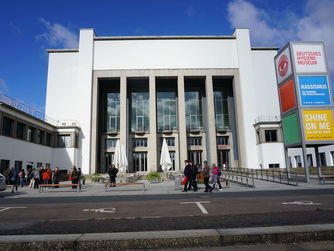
(169,239)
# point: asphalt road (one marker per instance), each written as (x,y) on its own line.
(165,212)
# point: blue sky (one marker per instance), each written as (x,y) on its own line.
(28,28)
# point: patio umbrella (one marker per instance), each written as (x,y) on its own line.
(117,155)
(165,161)
(124,159)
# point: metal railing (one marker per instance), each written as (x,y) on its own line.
(270,175)
(267,119)
(236,176)
(32,112)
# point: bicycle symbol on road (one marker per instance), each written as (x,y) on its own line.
(110,210)
(306,203)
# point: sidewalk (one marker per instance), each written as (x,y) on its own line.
(165,187)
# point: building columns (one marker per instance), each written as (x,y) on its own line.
(211,147)
(181,120)
(152,143)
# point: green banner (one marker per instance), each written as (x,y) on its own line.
(291,129)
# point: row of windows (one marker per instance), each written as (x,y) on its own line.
(192,141)
(18,165)
(34,135)
(269,136)
(166,111)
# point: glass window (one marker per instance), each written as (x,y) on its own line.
(139,142)
(111,143)
(273,165)
(64,140)
(195,157)
(139,111)
(166,110)
(223,157)
(193,110)
(140,161)
(221,111)
(20,130)
(7,126)
(222,140)
(169,140)
(31,134)
(48,139)
(113,105)
(172,157)
(18,165)
(194,141)
(38,136)
(271,135)
(4,165)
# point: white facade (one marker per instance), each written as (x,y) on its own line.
(73,87)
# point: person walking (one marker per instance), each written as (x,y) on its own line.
(187,174)
(215,177)
(37,178)
(206,174)
(22,176)
(112,171)
(193,174)
(56,176)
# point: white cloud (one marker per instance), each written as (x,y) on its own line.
(315,24)
(3,86)
(58,35)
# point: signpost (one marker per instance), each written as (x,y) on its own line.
(305,96)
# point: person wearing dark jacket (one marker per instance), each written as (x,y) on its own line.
(193,174)
(112,174)
(187,174)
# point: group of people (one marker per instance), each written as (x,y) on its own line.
(33,177)
(190,175)
(41,175)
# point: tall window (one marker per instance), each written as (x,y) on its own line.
(166,110)
(139,111)
(193,110)
(112,112)
(20,130)
(31,134)
(221,111)
(139,161)
(7,126)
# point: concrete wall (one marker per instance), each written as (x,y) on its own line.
(165,54)
(271,153)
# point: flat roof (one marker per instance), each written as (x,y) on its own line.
(162,37)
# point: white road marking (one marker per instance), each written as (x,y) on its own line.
(110,210)
(7,208)
(199,204)
(306,203)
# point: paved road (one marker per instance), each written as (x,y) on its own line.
(165,212)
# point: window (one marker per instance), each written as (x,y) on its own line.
(39,164)
(38,136)
(221,111)
(298,161)
(76,142)
(113,105)
(172,157)
(64,140)
(7,126)
(169,140)
(222,140)
(139,111)
(193,110)
(166,110)
(139,142)
(271,135)
(322,158)
(4,165)
(47,165)
(194,141)
(139,161)
(20,130)
(31,134)
(48,139)
(18,165)
(223,157)
(273,165)
(195,157)
(111,143)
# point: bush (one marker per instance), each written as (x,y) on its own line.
(153,176)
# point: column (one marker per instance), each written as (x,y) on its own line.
(181,121)
(152,143)
(211,148)
(123,130)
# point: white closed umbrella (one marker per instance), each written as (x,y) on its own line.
(124,159)
(117,155)
(165,160)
